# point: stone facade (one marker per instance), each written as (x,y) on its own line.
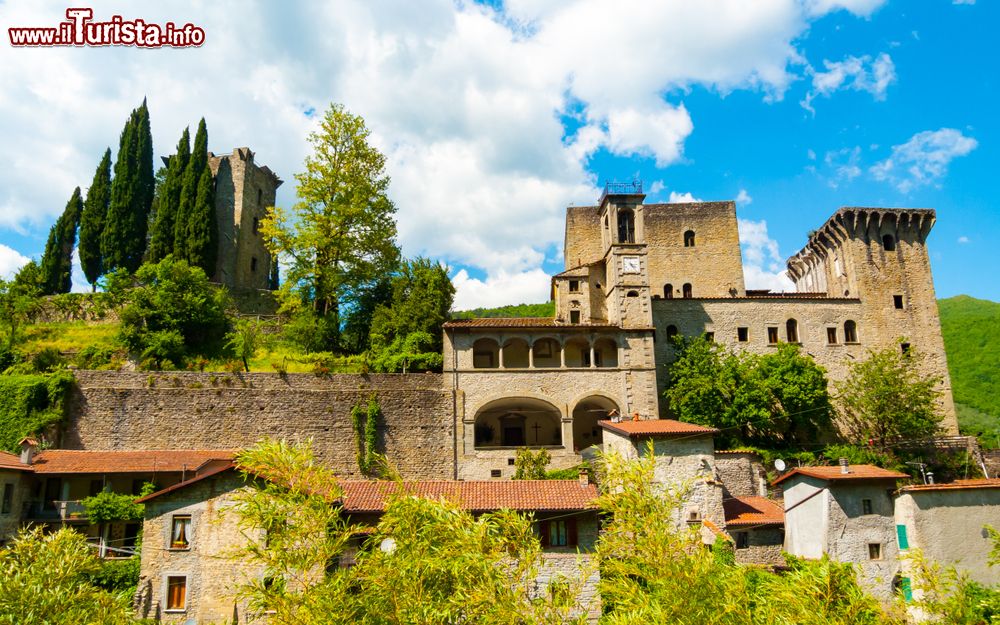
(243,193)
(741,473)
(764,545)
(120,411)
(14,495)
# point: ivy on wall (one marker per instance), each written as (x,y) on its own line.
(29,403)
(365,419)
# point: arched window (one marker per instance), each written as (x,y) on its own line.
(626,226)
(888,243)
(686,290)
(792,331)
(689,238)
(671,331)
(850,332)
(485,354)
(668,291)
(632,294)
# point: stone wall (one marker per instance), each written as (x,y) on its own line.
(10,521)
(765,546)
(582,242)
(741,473)
(118,410)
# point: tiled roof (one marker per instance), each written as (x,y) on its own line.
(520,322)
(526,495)
(737,451)
(147,461)
(956,485)
(753,511)
(10,461)
(221,467)
(856,472)
(655,427)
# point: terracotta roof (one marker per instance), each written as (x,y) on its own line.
(715,529)
(520,322)
(10,461)
(525,495)
(208,472)
(655,427)
(956,485)
(737,451)
(857,472)
(753,511)
(147,461)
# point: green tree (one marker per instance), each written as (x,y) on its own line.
(161,240)
(530,465)
(245,339)
(888,396)
(95,210)
(19,303)
(123,242)
(203,229)
(341,235)
(171,312)
(197,165)
(57,261)
(46,578)
(422,296)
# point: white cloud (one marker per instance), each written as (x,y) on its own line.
(856,73)
(763,265)
(963,239)
(10,261)
(682,198)
(743,197)
(924,159)
(464,101)
(843,165)
(529,287)
(963,1)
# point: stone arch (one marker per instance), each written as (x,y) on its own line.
(577,350)
(671,331)
(888,243)
(485,353)
(626,226)
(515,353)
(687,291)
(689,238)
(546,352)
(668,291)
(587,411)
(605,352)
(850,331)
(792,331)
(521,421)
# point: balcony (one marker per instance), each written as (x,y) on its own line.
(63,511)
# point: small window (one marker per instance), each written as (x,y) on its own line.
(8,499)
(558,533)
(897,301)
(496,473)
(710,336)
(253,263)
(792,331)
(831,336)
(671,331)
(180,532)
(176,592)
(742,334)
(689,238)
(668,291)
(574,316)
(511,461)
(626,227)
(694,516)
(686,289)
(260,200)
(742,540)
(632,294)
(558,536)
(905,348)
(850,331)
(874,551)
(866,506)
(574,286)
(772,335)
(889,243)
(256,225)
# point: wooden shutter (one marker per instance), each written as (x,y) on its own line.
(571,532)
(543,529)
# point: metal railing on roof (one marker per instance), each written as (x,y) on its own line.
(633,187)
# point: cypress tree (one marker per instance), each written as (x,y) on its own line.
(203,230)
(57,261)
(189,190)
(95,210)
(161,240)
(124,240)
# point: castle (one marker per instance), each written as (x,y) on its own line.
(636,275)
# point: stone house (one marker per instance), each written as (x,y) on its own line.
(13,494)
(945,522)
(845,512)
(757,527)
(190,570)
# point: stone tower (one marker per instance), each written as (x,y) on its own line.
(626,263)
(243,193)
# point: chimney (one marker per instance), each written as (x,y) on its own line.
(584,478)
(844,468)
(28,448)
(635,416)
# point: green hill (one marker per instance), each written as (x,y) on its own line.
(971,330)
(516,310)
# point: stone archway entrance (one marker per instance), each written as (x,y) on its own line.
(586,414)
(518,422)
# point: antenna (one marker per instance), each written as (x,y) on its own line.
(780,465)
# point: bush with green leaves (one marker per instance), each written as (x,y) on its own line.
(530,465)
(107,507)
(30,403)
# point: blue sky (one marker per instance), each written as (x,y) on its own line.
(494,118)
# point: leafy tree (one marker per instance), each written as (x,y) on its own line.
(123,242)
(422,296)
(95,210)
(203,230)
(548,309)
(197,165)
(171,312)
(530,465)
(888,397)
(57,261)
(19,302)
(46,578)
(356,334)
(245,339)
(341,235)
(161,240)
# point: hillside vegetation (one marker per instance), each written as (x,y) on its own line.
(514,310)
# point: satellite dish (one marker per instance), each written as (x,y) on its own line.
(779,464)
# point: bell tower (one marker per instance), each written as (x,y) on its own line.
(626,264)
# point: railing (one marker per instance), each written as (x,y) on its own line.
(633,187)
(57,511)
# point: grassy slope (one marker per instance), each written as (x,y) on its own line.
(515,310)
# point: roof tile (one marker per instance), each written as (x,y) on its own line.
(655,427)
(753,511)
(476,496)
(146,461)
(956,485)
(10,461)
(834,473)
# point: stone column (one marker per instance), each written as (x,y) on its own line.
(562,355)
(500,352)
(531,354)
(593,363)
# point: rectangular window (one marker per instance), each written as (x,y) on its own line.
(260,200)
(866,506)
(8,499)
(742,334)
(874,551)
(831,336)
(905,348)
(585,357)
(772,335)
(180,532)
(558,533)
(710,336)
(574,316)
(574,286)
(253,263)
(742,540)
(496,473)
(897,301)
(176,592)
(256,225)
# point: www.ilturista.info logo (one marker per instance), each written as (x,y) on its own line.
(79,29)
